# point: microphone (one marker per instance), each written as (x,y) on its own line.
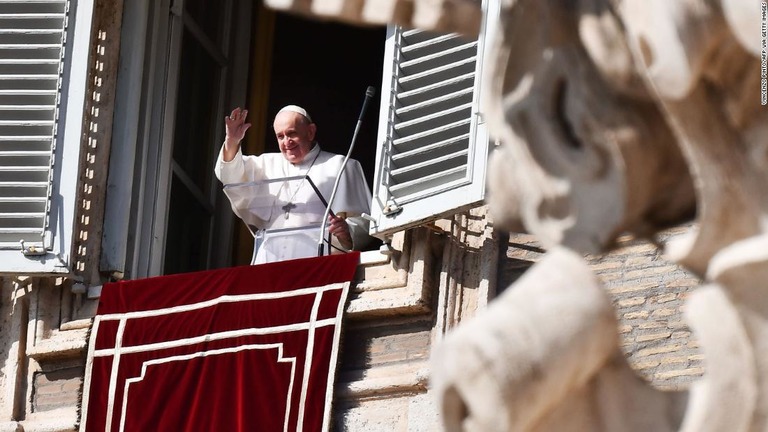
(369,92)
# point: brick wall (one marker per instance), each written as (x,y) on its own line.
(381,381)
(384,342)
(648,293)
(57,388)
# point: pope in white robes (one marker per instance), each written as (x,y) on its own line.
(285,215)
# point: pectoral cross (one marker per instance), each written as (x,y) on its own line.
(287,208)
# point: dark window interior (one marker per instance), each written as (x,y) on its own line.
(191,214)
(326,67)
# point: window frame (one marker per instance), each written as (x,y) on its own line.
(136,215)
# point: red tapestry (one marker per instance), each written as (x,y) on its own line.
(248,348)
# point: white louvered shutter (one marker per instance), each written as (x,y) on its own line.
(43,60)
(31,43)
(433,144)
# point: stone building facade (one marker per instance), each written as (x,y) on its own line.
(402,305)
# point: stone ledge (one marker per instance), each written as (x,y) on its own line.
(76,325)
(59,420)
(61,344)
(397,285)
(11,427)
(387,380)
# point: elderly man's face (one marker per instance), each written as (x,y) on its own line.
(294,135)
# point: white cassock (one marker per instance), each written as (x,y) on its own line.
(280,208)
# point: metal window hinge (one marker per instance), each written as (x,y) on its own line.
(391,208)
(32,250)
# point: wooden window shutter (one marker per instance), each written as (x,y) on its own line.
(432,143)
(39,68)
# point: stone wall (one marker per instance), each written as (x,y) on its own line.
(648,293)
(43,332)
(388,359)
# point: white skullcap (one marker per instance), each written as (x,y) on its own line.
(296,109)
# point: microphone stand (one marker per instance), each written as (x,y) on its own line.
(369,92)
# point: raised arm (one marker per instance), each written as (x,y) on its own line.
(235,128)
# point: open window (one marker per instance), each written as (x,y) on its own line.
(44,52)
(327,74)
(181,69)
(432,145)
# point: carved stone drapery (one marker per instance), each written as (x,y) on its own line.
(590,154)
(699,94)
